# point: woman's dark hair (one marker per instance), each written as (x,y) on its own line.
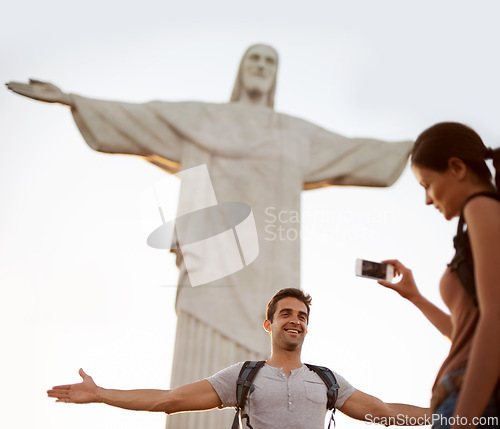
(286,293)
(437,144)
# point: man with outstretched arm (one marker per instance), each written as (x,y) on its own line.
(285,392)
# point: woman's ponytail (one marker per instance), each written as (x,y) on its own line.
(494,154)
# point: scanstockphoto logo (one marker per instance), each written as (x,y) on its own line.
(214,239)
(437,420)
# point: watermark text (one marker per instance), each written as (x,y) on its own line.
(404,420)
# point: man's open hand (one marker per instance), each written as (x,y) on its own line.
(81,393)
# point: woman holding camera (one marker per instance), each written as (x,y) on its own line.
(448,160)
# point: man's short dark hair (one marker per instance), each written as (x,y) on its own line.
(289,292)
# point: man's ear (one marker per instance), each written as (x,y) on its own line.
(267,325)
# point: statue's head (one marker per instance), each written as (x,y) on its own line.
(257,73)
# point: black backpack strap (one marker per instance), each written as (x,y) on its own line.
(494,195)
(332,386)
(243,386)
(462,262)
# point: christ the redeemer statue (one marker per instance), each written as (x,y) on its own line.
(254,155)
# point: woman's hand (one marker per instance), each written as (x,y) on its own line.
(406,287)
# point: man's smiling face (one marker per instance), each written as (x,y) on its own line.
(289,326)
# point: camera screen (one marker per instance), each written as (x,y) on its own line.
(374,269)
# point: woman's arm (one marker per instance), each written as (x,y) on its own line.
(407,288)
(195,396)
(483,369)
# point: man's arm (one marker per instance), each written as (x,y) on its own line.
(362,406)
(196,396)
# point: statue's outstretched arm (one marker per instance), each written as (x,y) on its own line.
(42,91)
(338,160)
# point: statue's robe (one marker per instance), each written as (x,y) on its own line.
(256,156)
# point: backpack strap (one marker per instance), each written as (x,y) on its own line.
(332,386)
(462,262)
(243,386)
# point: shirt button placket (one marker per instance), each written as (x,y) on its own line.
(289,396)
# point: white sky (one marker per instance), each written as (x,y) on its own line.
(80,286)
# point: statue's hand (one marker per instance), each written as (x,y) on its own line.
(39,90)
